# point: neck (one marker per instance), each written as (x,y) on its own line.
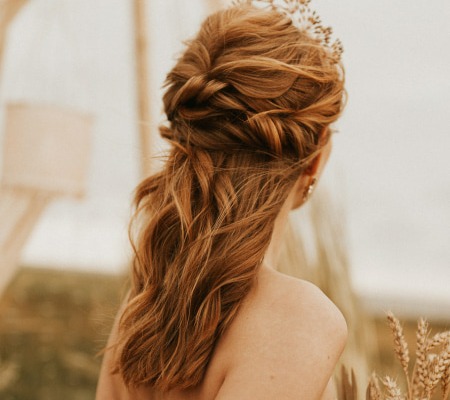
(272,254)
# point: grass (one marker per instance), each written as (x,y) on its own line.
(52,325)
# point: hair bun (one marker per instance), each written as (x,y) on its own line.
(196,91)
(251,80)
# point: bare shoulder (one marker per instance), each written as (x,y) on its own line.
(308,307)
(284,343)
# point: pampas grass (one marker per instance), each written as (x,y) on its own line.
(316,250)
(428,376)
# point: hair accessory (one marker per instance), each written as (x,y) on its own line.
(309,189)
(304,19)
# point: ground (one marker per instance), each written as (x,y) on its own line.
(53,324)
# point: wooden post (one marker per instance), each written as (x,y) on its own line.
(8,10)
(142,84)
(213,5)
(45,154)
(20,210)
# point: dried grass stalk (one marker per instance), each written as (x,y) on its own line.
(438,340)
(349,388)
(445,378)
(392,389)
(445,383)
(400,346)
(433,376)
(373,389)
(421,367)
(8,374)
(430,369)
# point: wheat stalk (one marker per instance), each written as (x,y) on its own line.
(430,369)
(421,367)
(393,391)
(438,340)
(400,345)
(445,378)
(436,368)
(445,383)
(373,390)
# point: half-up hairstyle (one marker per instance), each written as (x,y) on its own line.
(246,104)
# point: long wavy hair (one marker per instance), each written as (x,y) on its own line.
(246,103)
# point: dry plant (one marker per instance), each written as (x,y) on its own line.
(422,379)
(8,374)
(315,249)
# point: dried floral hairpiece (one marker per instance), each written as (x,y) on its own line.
(304,19)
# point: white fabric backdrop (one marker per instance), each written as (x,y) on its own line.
(390,166)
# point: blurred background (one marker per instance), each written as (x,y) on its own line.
(80,92)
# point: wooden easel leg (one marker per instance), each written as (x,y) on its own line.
(20,209)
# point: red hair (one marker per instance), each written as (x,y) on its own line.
(246,103)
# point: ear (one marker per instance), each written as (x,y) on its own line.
(317,162)
(313,166)
(299,191)
(312,173)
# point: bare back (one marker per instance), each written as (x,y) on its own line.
(283,344)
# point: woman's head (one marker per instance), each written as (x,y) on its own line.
(248,104)
(251,81)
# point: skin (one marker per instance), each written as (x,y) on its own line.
(283,344)
(306,332)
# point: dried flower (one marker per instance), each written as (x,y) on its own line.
(304,19)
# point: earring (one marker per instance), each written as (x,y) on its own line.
(309,189)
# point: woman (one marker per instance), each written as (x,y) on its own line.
(249,105)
